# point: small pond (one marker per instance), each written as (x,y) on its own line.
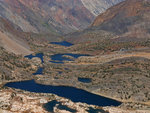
(63,43)
(59,58)
(84,80)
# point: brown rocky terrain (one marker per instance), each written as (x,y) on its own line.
(52,16)
(125,10)
(12,46)
(14,67)
(12,40)
(126,22)
(99,6)
(47,16)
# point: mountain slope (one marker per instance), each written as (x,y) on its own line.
(52,16)
(12,40)
(46,16)
(99,6)
(125,25)
(13,46)
(124,15)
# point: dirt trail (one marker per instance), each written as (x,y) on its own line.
(12,46)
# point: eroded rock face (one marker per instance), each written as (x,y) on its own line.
(99,6)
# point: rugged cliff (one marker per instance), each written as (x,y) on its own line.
(99,6)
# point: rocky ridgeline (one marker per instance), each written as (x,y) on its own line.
(99,6)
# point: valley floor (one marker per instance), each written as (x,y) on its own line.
(123,76)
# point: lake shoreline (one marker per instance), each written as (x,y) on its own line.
(116,103)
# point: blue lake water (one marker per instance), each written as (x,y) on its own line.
(63,43)
(50,106)
(92,110)
(60,72)
(39,71)
(39,55)
(59,58)
(56,62)
(84,80)
(64,107)
(74,94)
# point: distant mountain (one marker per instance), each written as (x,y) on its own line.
(44,16)
(55,16)
(99,6)
(125,25)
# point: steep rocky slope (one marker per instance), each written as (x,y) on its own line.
(46,16)
(99,6)
(11,39)
(53,16)
(125,22)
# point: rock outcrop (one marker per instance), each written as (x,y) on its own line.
(99,6)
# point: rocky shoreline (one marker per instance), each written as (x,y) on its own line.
(15,100)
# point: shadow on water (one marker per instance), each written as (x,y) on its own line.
(74,94)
